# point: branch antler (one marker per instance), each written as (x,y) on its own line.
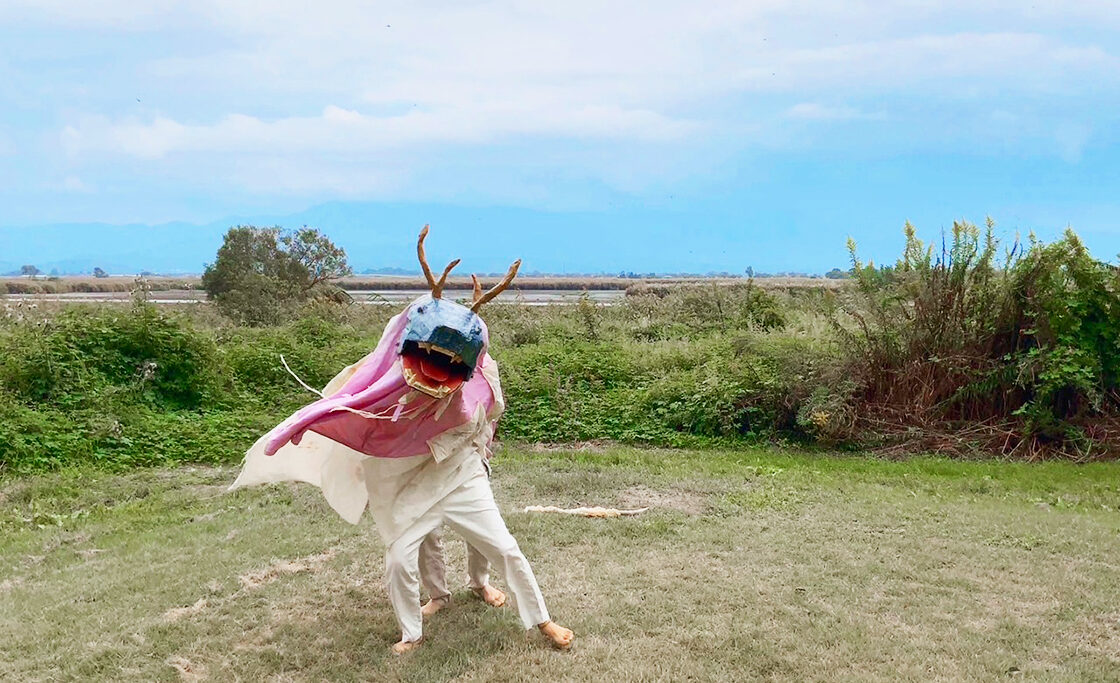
(477,289)
(480,298)
(435,285)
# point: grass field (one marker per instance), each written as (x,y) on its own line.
(749,565)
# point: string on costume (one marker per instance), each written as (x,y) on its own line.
(396,410)
(301,382)
(443,404)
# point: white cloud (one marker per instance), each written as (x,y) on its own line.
(346,131)
(1072,138)
(815,111)
(366,94)
(935,65)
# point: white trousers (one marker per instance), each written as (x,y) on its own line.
(433,569)
(471,511)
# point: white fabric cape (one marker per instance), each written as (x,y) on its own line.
(396,490)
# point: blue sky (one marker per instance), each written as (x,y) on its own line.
(668,136)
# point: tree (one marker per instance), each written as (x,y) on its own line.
(97,272)
(31,271)
(322,261)
(837,274)
(261,274)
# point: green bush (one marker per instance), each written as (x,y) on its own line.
(83,355)
(44,438)
(682,311)
(1029,343)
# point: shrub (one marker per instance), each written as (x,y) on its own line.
(80,356)
(1028,343)
(955,346)
(262,275)
(666,312)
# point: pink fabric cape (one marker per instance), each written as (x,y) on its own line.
(376,389)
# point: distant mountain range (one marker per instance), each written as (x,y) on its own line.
(379,238)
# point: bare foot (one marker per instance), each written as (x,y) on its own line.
(434,605)
(560,637)
(406,646)
(492,596)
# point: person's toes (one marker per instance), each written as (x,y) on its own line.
(406,646)
(491,596)
(561,637)
(494,597)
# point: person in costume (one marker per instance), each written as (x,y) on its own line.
(405,432)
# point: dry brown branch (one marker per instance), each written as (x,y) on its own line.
(498,288)
(435,285)
(477,289)
(902,432)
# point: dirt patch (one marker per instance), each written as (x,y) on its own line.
(188,671)
(8,584)
(580,446)
(14,491)
(681,501)
(1100,634)
(57,541)
(597,446)
(203,471)
(249,582)
(271,573)
(256,640)
(177,613)
(210,515)
(205,491)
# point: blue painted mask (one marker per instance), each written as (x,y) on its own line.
(442,344)
(444,341)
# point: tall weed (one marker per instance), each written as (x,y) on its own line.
(1024,340)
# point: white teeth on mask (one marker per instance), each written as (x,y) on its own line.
(429,347)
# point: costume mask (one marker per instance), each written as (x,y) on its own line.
(441,346)
(391,409)
(443,340)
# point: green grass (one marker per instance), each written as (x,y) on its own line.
(750,565)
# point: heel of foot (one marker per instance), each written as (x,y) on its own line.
(434,605)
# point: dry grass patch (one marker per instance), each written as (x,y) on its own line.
(688,502)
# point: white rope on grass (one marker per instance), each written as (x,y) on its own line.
(586,511)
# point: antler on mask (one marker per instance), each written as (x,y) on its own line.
(480,298)
(433,284)
(477,288)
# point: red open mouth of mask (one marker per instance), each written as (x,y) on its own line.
(432,370)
